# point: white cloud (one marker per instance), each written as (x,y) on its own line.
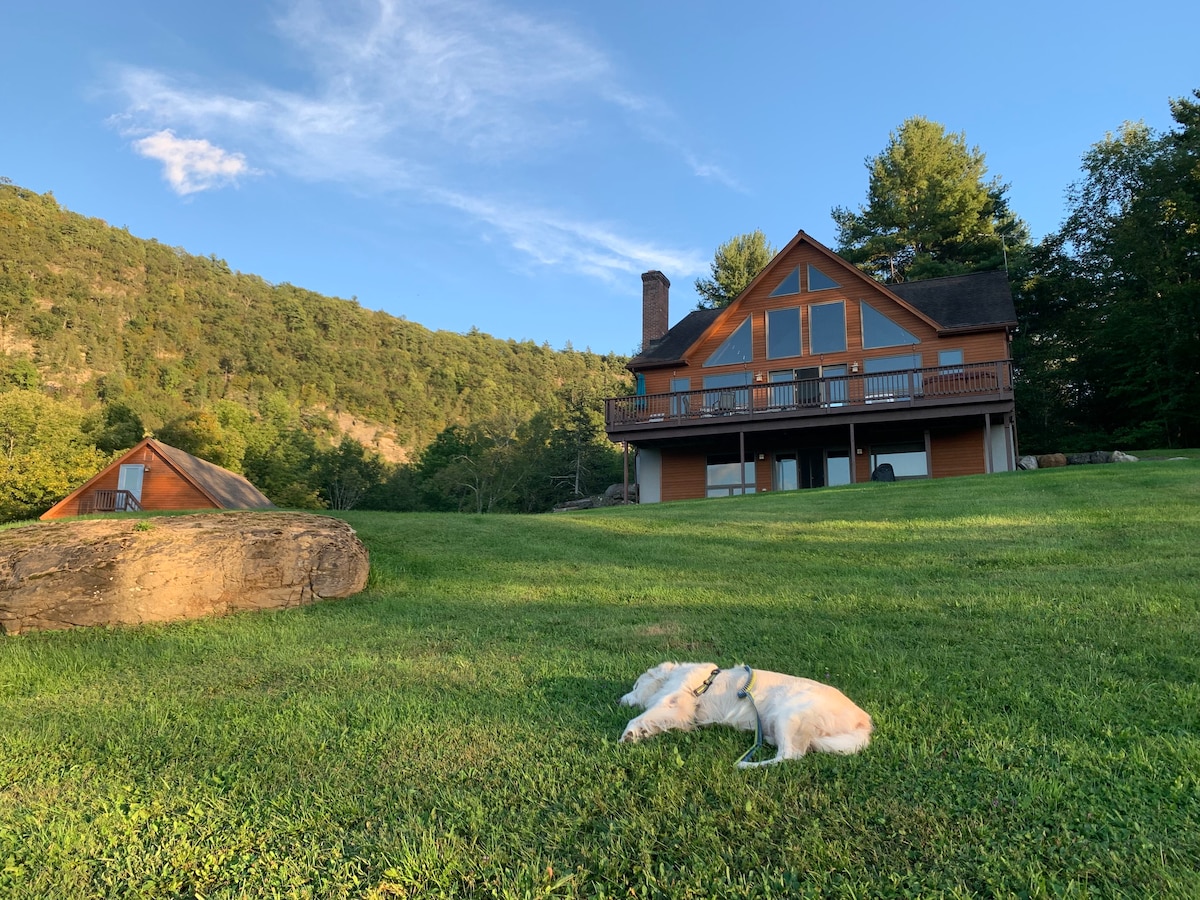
(401,93)
(192,165)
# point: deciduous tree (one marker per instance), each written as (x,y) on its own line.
(1114,306)
(734,266)
(44,454)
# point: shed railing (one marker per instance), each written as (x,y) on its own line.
(109,501)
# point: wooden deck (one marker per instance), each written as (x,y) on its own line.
(908,393)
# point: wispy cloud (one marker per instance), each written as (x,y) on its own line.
(590,248)
(401,92)
(192,165)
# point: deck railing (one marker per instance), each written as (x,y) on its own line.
(938,385)
(109,501)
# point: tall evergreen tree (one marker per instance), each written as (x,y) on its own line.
(929,211)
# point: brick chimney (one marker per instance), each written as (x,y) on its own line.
(655,314)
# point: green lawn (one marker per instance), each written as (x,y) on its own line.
(1026,643)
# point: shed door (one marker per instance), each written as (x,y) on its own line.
(130,479)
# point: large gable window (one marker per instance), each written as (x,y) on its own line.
(736,349)
(789,285)
(827,327)
(818,280)
(783,332)
(880,331)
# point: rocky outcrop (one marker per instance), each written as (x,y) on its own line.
(130,571)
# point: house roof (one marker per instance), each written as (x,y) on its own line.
(962,301)
(956,302)
(227,489)
(671,347)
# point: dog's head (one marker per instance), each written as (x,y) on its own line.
(651,682)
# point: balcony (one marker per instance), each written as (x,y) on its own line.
(902,394)
(108,501)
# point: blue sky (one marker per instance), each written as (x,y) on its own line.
(515,166)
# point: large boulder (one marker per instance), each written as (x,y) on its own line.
(1051,461)
(130,571)
(1089,459)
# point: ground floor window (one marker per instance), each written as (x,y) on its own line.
(907,459)
(725,476)
(837,463)
(813,467)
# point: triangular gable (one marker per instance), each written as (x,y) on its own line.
(776,271)
(115,464)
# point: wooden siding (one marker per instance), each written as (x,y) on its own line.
(764,471)
(959,452)
(684,475)
(862,464)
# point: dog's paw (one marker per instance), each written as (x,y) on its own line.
(628,700)
(632,735)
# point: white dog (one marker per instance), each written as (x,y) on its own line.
(796,714)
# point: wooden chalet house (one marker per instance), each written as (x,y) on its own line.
(156,476)
(817,375)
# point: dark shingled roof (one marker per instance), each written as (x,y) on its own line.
(672,345)
(229,489)
(962,301)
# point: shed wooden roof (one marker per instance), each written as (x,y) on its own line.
(228,490)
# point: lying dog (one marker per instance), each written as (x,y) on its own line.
(796,714)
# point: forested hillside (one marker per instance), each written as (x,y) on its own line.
(130,335)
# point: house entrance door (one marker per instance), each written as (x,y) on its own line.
(129,479)
(787,477)
(802,469)
(812,468)
(808,386)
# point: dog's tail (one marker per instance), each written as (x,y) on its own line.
(846,742)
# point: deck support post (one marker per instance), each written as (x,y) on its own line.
(625,479)
(987,444)
(853,456)
(742,457)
